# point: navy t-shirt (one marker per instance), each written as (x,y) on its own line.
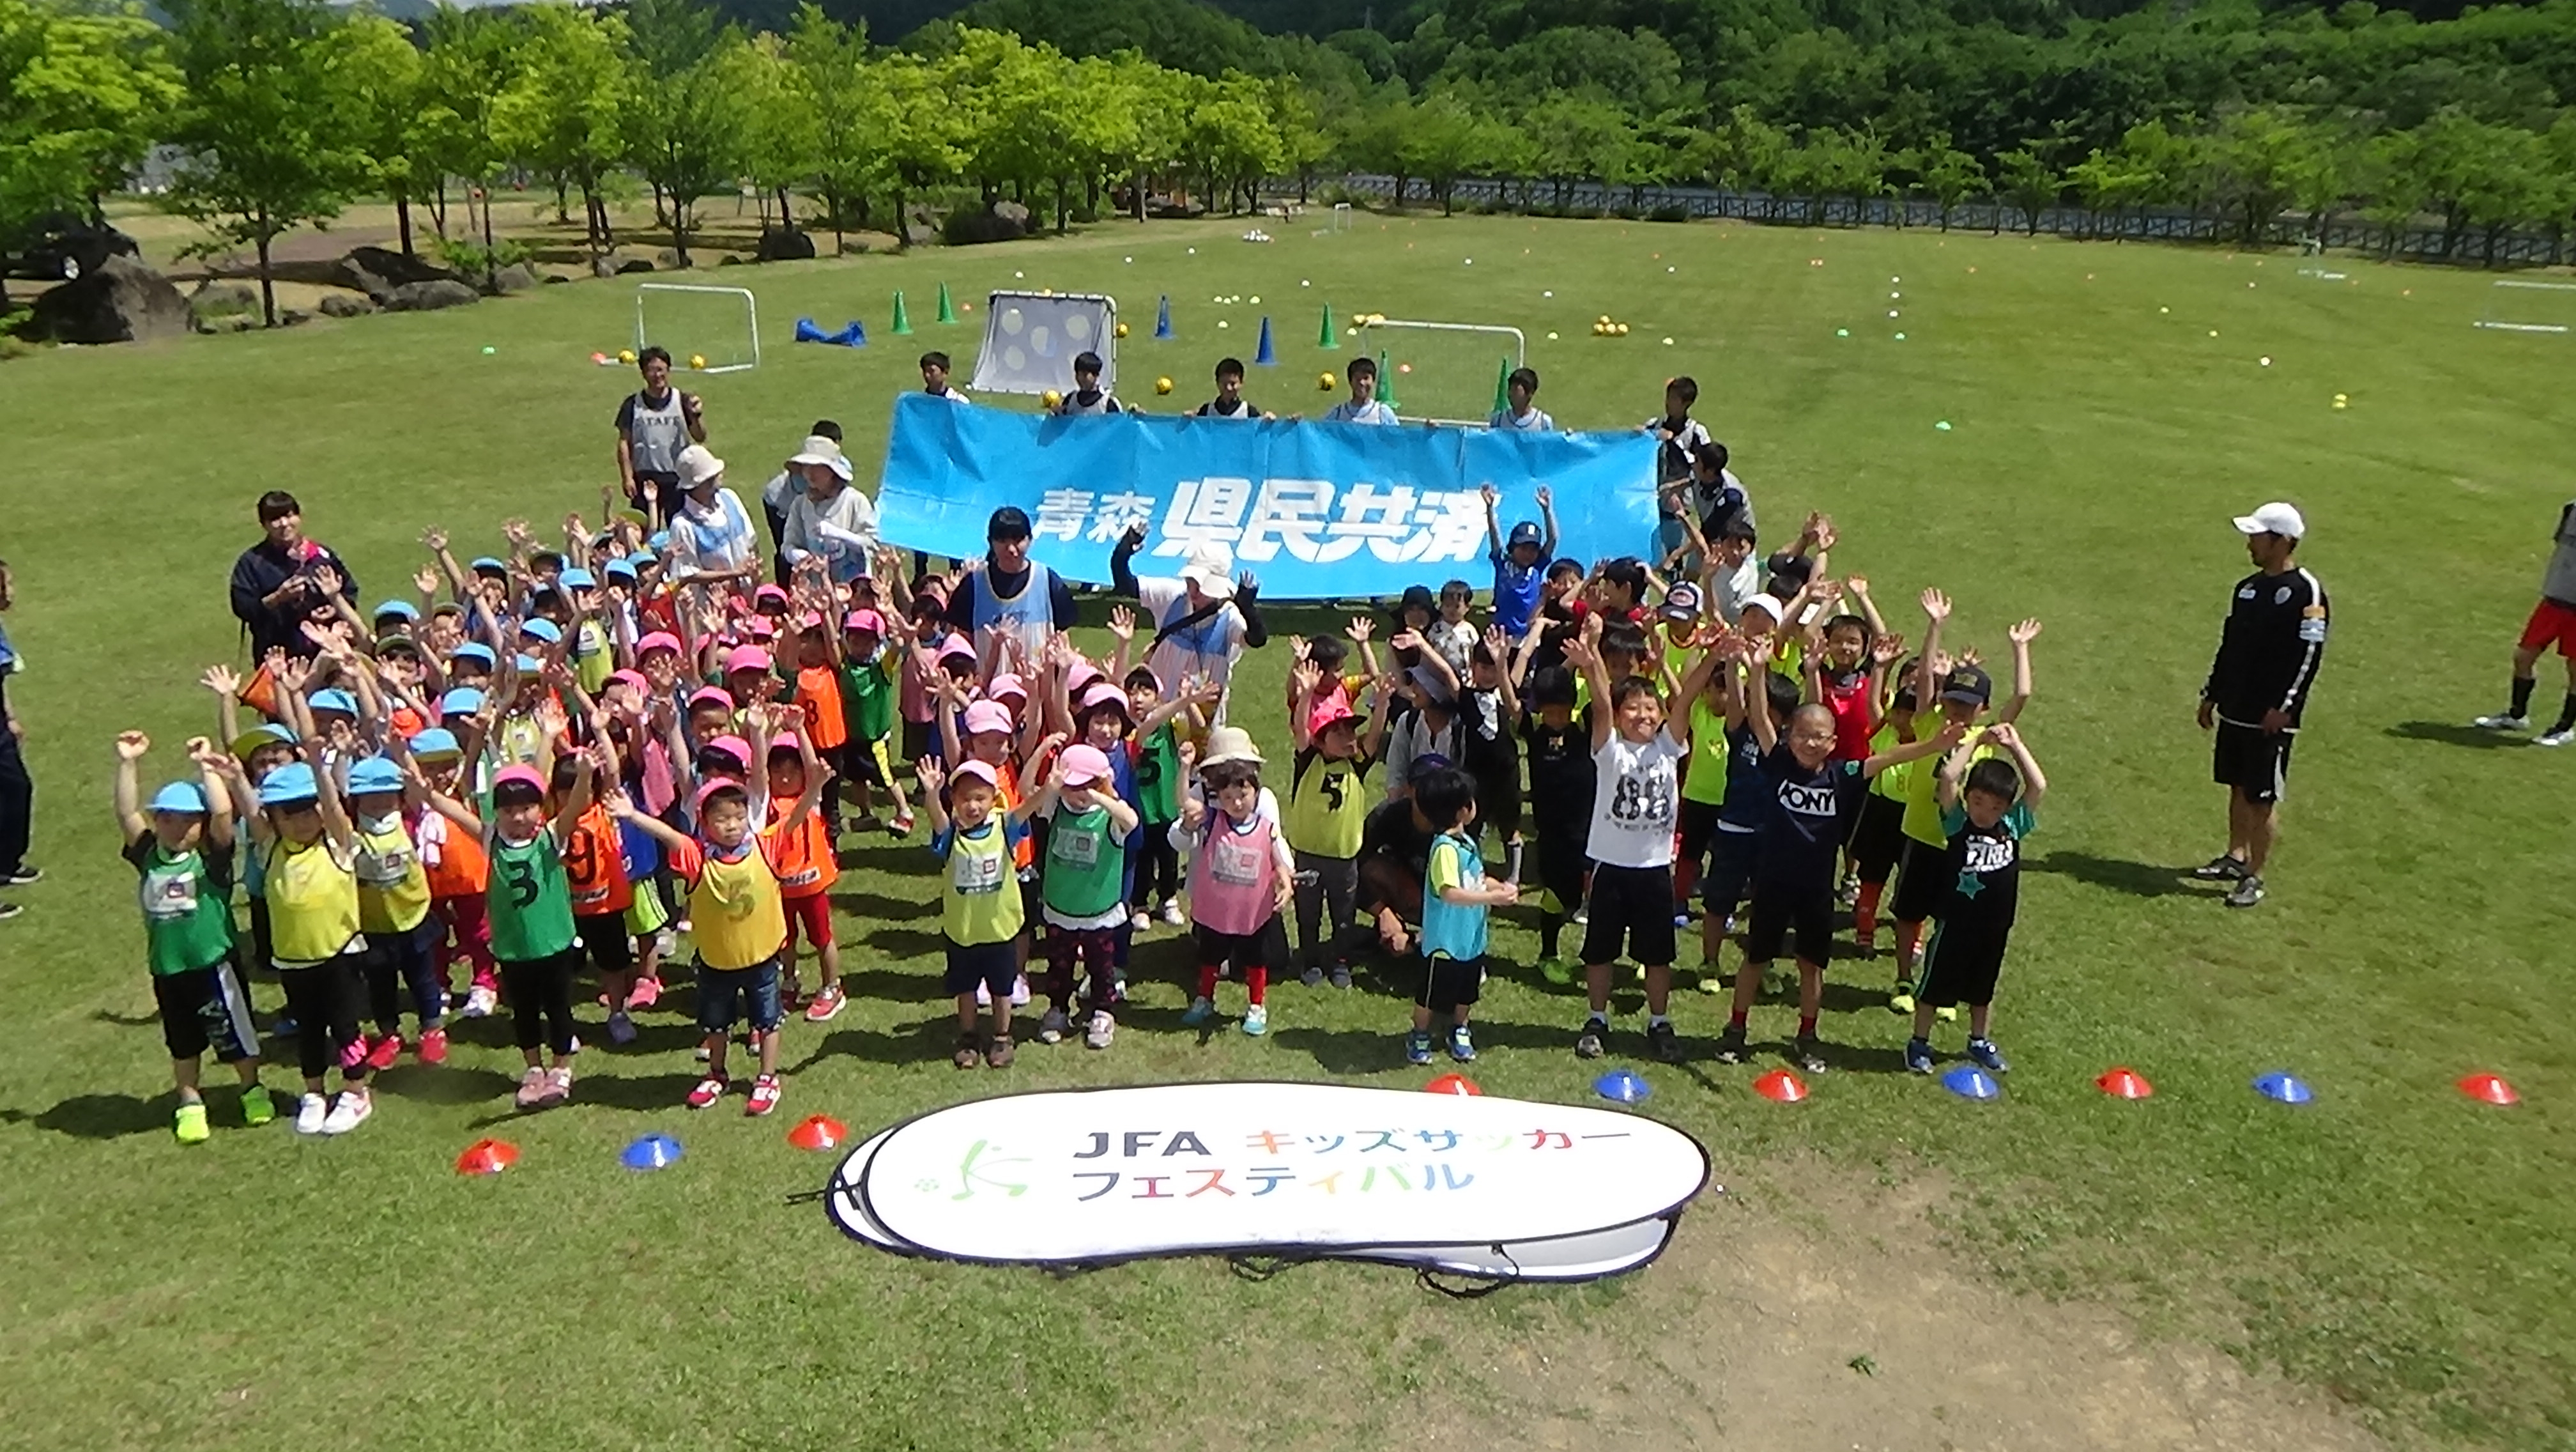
(1748,791)
(1802,823)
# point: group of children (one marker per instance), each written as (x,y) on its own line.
(569,758)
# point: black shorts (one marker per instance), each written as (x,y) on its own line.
(1265,947)
(604,940)
(206,1009)
(916,740)
(858,763)
(1693,826)
(1732,858)
(1961,965)
(994,965)
(2255,762)
(1878,837)
(1921,881)
(1787,914)
(1634,904)
(1498,800)
(653,489)
(1450,984)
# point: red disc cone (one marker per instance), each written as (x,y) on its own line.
(1781,1087)
(2123,1082)
(821,1132)
(2489,1089)
(1452,1084)
(487,1157)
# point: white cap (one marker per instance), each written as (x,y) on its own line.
(696,466)
(1209,568)
(819,449)
(2273,518)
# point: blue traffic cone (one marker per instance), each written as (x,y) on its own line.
(807,331)
(1263,355)
(853,336)
(1163,319)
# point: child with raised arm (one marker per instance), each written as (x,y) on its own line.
(1636,792)
(980,911)
(1241,875)
(314,939)
(1082,886)
(1987,807)
(393,911)
(1520,560)
(736,910)
(1328,806)
(183,850)
(1811,796)
(530,904)
(1456,901)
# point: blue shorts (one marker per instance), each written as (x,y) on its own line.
(725,993)
(994,965)
(1732,856)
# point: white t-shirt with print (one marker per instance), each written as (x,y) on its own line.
(1636,788)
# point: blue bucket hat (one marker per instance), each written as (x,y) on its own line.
(463,701)
(619,567)
(289,784)
(335,700)
(545,630)
(180,796)
(474,650)
(403,608)
(434,742)
(486,565)
(577,578)
(527,665)
(375,774)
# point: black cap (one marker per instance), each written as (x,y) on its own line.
(1969,686)
(1008,522)
(1789,570)
(1417,595)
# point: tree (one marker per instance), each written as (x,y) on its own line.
(1952,176)
(828,69)
(378,72)
(2110,182)
(925,145)
(1576,138)
(690,137)
(2252,159)
(562,114)
(1446,140)
(1303,141)
(778,135)
(474,58)
(2029,183)
(82,96)
(265,146)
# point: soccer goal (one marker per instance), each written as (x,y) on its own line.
(1448,373)
(1340,220)
(2530,307)
(705,329)
(1032,338)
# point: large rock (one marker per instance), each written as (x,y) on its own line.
(119,301)
(1006,220)
(785,245)
(514,278)
(633,265)
(347,305)
(377,271)
(668,260)
(421,297)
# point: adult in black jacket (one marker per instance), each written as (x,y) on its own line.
(2257,691)
(280,582)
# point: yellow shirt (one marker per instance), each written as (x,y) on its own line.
(312,904)
(735,909)
(393,888)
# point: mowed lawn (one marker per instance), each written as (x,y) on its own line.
(2393,1242)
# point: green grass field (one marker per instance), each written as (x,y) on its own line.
(2393,1244)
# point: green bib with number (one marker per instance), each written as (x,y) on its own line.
(187,919)
(530,900)
(1086,867)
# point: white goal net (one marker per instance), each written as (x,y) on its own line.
(2514,306)
(1440,372)
(705,329)
(1032,338)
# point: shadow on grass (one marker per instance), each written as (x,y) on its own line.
(2451,733)
(97,1116)
(2118,874)
(924,1041)
(124,1020)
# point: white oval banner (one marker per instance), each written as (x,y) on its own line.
(1491,1186)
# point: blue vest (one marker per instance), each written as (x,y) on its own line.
(1030,615)
(1451,929)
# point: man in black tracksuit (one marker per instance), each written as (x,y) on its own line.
(2257,690)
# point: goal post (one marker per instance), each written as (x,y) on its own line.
(1444,373)
(705,329)
(2516,306)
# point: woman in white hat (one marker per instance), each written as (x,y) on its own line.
(711,536)
(1203,618)
(829,519)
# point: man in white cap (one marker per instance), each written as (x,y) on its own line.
(829,519)
(2258,685)
(1203,619)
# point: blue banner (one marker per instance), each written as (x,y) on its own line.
(1316,510)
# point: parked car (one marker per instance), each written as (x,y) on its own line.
(62,247)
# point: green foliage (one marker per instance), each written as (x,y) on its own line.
(83,94)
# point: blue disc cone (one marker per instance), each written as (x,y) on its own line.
(1622,1086)
(651,1152)
(1970,1082)
(1163,319)
(1265,357)
(2283,1086)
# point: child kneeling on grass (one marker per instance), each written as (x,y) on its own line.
(981,910)
(1241,875)
(1456,902)
(184,851)
(1986,807)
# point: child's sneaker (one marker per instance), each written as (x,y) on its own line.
(765,1095)
(532,1088)
(257,1107)
(1104,1027)
(967,1056)
(2555,736)
(1417,1047)
(1172,911)
(1313,977)
(310,1111)
(1810,1054)
(558,1086)
(621,1029)
(2249,891)
(351,1111)
(1553,969)
(646,993)
(902,823)
(2502,721)
(1051,1027)
(433,1046)
(1141,921)
(384,1052)
(1900,999)
(1730,1045)
(1462,1044)
(1020,991)
(480,1000)
(1000,1053)
(709,1090)
(1587,1045)
(1341,975)
(1256,1020)
(1199,1012)
(827,1004)
(1663,1042)
(190,1124)
(1987,1056)
(2222,868)
(1918,1055)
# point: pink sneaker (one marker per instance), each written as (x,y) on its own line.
(646,993)
(826,1005)
(383,1052)
(532,1089)
(764,1096)
(709,1090)
(433,1046)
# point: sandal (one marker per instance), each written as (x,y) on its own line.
(968,1056)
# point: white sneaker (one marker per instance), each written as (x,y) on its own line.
(310,1111)
(1103,1028)
(352,1110)
(1172,911)
(2553,738)
(983,996)
(2502,723)
(1142,921)
(1020,992)
(480,1001)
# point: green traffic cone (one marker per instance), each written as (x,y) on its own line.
(1385,382)
(902,320)
(1331,337)
(1502,384)
(947,309)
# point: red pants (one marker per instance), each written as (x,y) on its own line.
(812,914)
(466,920)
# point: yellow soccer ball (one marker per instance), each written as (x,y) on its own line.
(1324,382)
(1162,385)
(1605,320)
(1623,330)
(698,360)
(1122,330)
(1051,398)
(625,355)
